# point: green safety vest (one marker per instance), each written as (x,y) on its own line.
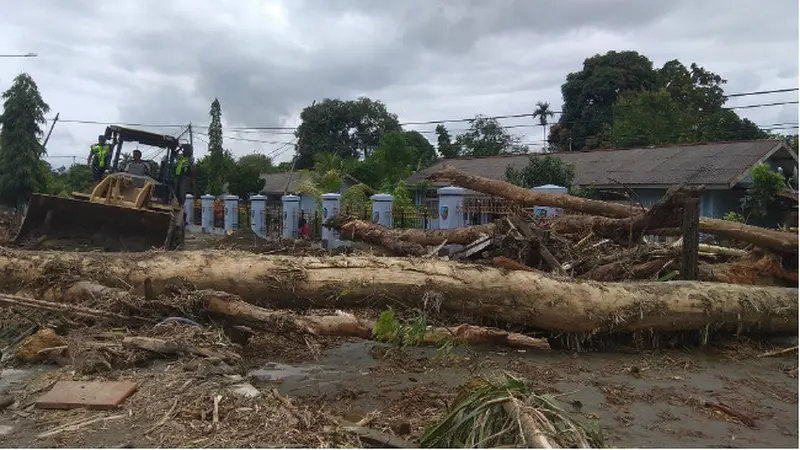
(182,165)
(100,154)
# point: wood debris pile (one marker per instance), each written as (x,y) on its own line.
(602,242)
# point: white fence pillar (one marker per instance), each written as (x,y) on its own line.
(291,207)
(188,209)
(547,210)
(257,205)
(451,199)
(207,213)
(382,205)
(231,212)
(330,208)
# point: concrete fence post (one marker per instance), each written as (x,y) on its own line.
(231,212)
(188,209)
(330,208)
(257,205)
(207,213)
(291,207)
(382,205)
(451,199)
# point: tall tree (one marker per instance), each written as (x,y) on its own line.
(259,162)
(485,137)
(424,152)
(590,94)
(446,147)
(543,112)
(542,170)
(350,129)
(216,167)
(21,170)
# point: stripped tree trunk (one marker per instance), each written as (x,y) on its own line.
(769,239)
(375,234)
(519,297)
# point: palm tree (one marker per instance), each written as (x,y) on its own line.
(543,111)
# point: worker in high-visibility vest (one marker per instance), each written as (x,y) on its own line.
(183,167)
(99,158)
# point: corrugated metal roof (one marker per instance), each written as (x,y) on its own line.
(713,164)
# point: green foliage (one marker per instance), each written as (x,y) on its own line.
(761,193)
(542,170)
(405,213)
(21,170)
(216,168)
(211,166)
(390,330)
(446,147)
(486,137)
(244,179)
(424,153)
(487,414)
(590,94)
(733,216)
(356,200)
(257,161)
(350,129)
(63,182)
(619,99)
(327,175)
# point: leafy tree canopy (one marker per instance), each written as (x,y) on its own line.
(542,170)
(761,193)
(620,100)
(486,137)
(349,128)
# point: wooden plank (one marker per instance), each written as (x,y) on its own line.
(91,395)
(538,236)
(691,239)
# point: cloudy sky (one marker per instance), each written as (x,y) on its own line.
(163,62)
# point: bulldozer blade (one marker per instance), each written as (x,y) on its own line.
(65,222)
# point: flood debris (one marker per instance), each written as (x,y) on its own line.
(90,395)
(506,411)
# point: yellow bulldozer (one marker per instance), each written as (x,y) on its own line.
(123,212)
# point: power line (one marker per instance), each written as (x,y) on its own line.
(431,122)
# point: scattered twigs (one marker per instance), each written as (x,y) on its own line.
(78,424)
(748,421)
(778,352)
(80,311)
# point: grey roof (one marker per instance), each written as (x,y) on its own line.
(715,165)
(275,183)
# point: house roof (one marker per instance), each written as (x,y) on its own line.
(275,183)
(715,165)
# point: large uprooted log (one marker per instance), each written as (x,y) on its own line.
(408,241)
(519,297)
(769,239)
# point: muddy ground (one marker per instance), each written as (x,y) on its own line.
(722,395)
(650,399)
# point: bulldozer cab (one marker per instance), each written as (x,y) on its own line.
(123,212)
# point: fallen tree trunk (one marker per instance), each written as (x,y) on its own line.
(519,297)
(345,324)
(761,237)
(376,234)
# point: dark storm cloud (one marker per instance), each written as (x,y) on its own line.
(164,62)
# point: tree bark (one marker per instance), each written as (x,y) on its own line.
(344,324)
(761,237)
(518,297)
(391,237)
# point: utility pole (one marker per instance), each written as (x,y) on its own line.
(52,125)
(191,144)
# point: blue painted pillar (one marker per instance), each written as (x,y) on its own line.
(231,213)
(188,209)
(257,205)
(330,208)
(382,205)
(207,213)
(451,199)
(291,207)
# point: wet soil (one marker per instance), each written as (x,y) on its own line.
(652,399)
